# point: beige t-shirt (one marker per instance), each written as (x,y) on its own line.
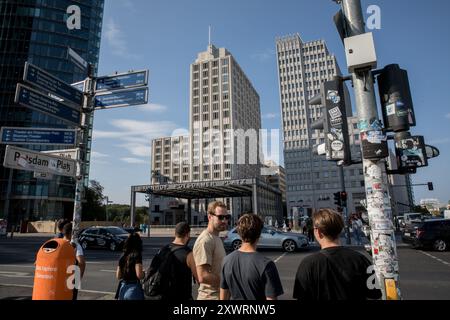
(208,249)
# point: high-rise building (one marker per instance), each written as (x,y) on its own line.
(37,31)
(223,103)
(223,141)
(311,180)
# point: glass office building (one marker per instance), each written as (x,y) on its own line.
(36,31)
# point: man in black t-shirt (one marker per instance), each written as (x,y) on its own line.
(336,272)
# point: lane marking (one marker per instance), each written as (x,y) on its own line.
(436,258)
(28,286)
(15,266)
(280,257)
(10,274)
(112,271)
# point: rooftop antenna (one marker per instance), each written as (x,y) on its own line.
(209,36)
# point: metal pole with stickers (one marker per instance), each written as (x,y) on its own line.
(361,60)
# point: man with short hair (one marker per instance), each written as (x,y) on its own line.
(209,252)
(247,274)
(336,272)
(179,266)
(60,225)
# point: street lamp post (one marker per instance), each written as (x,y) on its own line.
(106,207)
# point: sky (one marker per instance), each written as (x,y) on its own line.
(165,36)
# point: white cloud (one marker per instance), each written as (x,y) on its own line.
(133,160)
(264,55)
(116,40)
(97,155)
(152,107)
(136,136)
(270,116)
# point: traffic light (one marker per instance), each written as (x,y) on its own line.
(343,196)
(333,121)
(396,100)
(337,199)
(430,186)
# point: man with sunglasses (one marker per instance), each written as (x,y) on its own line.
(209,252)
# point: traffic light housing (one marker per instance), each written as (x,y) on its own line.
(343,196)
(430,186)
(334,120)
(396,101)
(337,199)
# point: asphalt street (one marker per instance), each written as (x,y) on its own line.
(424,275)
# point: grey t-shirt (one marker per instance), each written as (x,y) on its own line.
(250,276)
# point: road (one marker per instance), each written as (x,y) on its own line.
(424,275)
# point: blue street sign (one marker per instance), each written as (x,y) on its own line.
(35,100)
(45,81)
(122,81)
(77,60)
(123,98)
(78,85)
(38,136)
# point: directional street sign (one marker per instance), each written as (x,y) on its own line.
(23,159)
(66,153)
(78,85)
(76,59)
(45,81)
(35,100)
(38,136)
(122,81)
(121,98)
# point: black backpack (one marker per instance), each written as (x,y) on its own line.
(158,278)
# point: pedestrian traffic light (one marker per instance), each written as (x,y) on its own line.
(430,186)
(334,120)
(337,199)
(343,196)
(396,100)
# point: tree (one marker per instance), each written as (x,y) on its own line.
(93,208)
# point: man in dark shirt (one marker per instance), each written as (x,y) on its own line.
(336,272)
(246,274)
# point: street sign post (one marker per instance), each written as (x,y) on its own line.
(79,85)
(28,160)
(35,100)
(38,136)
(121,98)
(45,81)
(76,59)
(122,81)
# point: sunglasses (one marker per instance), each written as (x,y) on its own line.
(222,216)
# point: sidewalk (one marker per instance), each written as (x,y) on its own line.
(24,292)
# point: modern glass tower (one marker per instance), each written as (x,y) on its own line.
(36,31)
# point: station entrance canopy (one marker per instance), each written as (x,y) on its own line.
(266,200)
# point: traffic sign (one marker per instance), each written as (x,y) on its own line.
(122,81)
(35,100)
(79,85)
(28,160)
(43,176)
(121,98)
(65,153)
(38,136)
(76,59)
(45,81)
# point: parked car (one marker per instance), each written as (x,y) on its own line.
(270,239)
(432,234)
(132,230)
(111,238)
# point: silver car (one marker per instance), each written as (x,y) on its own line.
(270,239)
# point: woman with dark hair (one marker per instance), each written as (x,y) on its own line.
(130,271)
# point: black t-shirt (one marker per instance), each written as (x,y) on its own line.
(127,265)
(250,276)
(181,275)
(336,273)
